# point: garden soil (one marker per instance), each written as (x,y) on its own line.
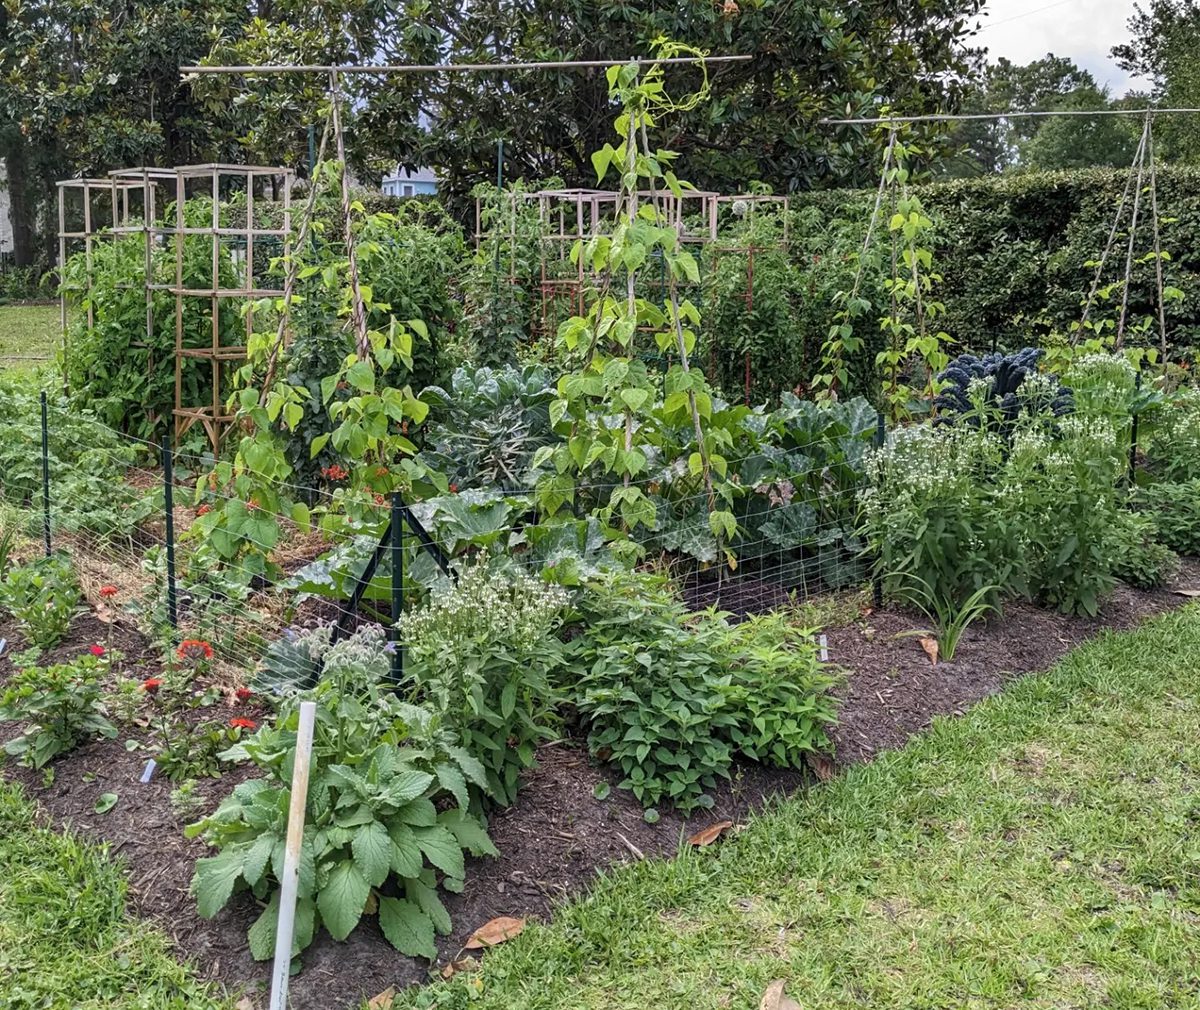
(557,835)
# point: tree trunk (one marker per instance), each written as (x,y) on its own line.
(22,210)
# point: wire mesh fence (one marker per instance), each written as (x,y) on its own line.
(129,513)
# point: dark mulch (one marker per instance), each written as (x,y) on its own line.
(557,835)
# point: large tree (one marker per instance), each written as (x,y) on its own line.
(992,145)
(1164,47)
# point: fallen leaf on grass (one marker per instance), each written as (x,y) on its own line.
(709,834)
(821,765)
(774,999)
(463,964)
(930,645)
(383,1000)
(494,932)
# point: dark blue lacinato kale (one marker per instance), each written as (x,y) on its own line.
(1004,374)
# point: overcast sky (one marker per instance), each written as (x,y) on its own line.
(1085,30)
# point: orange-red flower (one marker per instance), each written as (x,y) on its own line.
(151,684)
(243,693)
(251,506)
(334,472)
(454,489)
(240,723)
(97,650)
(108,592)
(195,650)
(204,510)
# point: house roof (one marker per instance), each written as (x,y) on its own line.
(423,174)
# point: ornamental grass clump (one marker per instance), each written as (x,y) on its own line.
(484,653)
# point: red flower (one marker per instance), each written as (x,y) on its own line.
(334,472)
(381,471)
(204,510)
(97,650)
(195,650)
(151,685)
(379,499)
(240,723)
(243,693)
(454,489)
(251,506)
(108,592)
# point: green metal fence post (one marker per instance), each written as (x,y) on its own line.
(46,473)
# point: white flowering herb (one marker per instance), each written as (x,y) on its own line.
(485,653)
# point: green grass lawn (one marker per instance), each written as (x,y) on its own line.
(27,331)
(65,939)
(1041,852)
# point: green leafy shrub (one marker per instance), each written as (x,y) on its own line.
(43,595)
(671,697)
(779,690)
(62,706)
(386,819)
(1062,480)
(1173,446)
(1138,557)
(483,652)
(1175,510)
(88,463)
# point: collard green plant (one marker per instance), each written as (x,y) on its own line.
(61,706)
(386,823)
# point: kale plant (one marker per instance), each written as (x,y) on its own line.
(994,387)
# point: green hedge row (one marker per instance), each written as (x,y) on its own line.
(1014,250)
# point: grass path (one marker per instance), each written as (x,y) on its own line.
(1042,852)
(65,940)
(27,331)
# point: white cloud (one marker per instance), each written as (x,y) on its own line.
(1084,30)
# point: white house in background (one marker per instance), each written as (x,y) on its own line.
(6,231)
(404,183)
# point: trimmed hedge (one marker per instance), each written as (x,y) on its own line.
(1013,250)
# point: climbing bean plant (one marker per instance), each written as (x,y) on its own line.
(615,414)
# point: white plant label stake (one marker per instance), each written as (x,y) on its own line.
(290,884)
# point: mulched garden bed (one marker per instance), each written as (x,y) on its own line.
(557,835)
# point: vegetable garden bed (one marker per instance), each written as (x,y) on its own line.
(557,835)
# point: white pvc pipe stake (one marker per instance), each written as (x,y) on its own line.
(824,643)
(290,884)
